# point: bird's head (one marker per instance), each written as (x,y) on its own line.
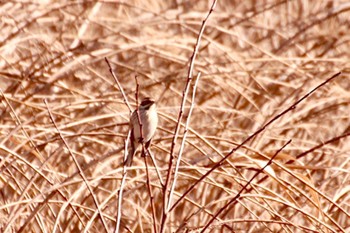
(147,103)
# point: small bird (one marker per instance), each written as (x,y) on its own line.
(149,120)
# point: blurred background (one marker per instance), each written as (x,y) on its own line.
(256,58)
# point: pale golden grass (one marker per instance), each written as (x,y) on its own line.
(256,59)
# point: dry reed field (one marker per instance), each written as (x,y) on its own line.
(253,102)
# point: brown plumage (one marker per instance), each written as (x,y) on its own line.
(149,120)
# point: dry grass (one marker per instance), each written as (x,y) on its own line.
(256,59)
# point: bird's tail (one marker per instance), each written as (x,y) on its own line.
(130,155)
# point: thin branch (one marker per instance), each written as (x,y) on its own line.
(177,128)
(149,189)
(143,153)
(221,162)
(120,193)
(322,144)
(138,112)
(119,85)
(334,139)
(156,167)
(235,198)
(194,88)
(81,173)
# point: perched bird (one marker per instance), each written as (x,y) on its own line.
(149,120)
